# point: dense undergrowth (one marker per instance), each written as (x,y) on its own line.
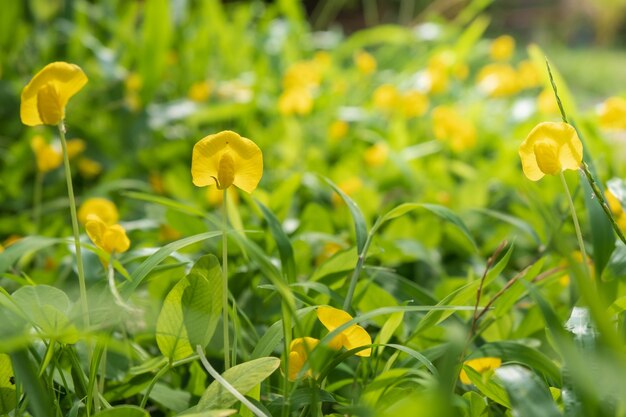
(384,251)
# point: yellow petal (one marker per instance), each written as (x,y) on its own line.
(95,228)
(299,350)
(101,207)
(247,160)
(44,98)
(75,147)
(115,239)
(480,365)
(355,336)
(296,362)
(332,317)
(550,145)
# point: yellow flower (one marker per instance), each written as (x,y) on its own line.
(385,97)
(227,159)
(437,79)
(75,147)
(101,207)
(549,149)
(109,238)
(498,80)
(480,365)
(502,48)
(451,127)
(413,104)
(298,354)
(614,204)
(349,186)
(528,75)
(365,62)
(328,250)
(296,100)
(546,103)
(352,337)
(376,155)
(338,130)
(302,74)
(89,168)
(44,98)
(199,91)
(47,157)
(613,113)
(460,70)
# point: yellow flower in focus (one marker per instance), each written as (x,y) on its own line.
(44,98)
(295,101)
(413,104)
(365,62)
(298,354)
(480,365)
(75,147)
(528,75)
(46,155)
(109,238)
(385,97)
(449,126)
(226,159)
(613,113)
(352,337)
(502,48)
(101,207)
(89,168)
(199,91)
(549,149)
(338,130)
(376,155)
(546,103)
(498,80)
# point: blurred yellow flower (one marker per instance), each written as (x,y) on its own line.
(613,113)
(44,98)
(101,207)
(413,104)
(199,91)
(528,75)
(302,74)
(385,97)
(460,70)
(323,60)
(89,168)
(616,209)
(549,149)
(376,155)
(349,186)
(75,147)
(328,250)
(498,80)
(546,103)
(295,101)
(46,155)
(365,62)
(133,82)
(437,79)
(298,354)
(338,130)
(352,337)
(109,238)
(480,365)
(449,126)
(502,48)
(226,159)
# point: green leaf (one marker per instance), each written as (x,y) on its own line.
(39,402)
(528,395)
(440,211)
(514,221)
(23,247)
(159,256)
(488,387)
(123,411)
(282,242)
(360,226)
(8,400)
(242,377)
(191,310)
(462,295)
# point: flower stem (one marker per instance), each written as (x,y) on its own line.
(79,258)
(225,280)
(356,274)
(579,235)
(37,200)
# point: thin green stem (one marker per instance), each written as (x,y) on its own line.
(79,258)
(37,200)
(225,280)
(357,273)
(579,235)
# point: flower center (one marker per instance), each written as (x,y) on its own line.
(547,155)
(225,172)
(49,105)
